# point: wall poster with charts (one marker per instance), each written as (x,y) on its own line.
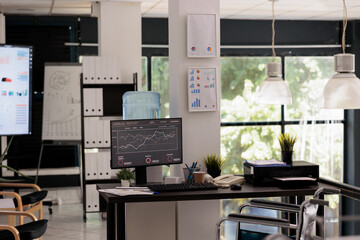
(201,35)
(202,89)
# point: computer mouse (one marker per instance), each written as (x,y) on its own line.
(236,186)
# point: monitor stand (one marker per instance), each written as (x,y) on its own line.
(140,173)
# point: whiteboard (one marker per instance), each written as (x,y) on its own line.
(62,102)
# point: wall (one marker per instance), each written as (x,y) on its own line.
(201,130)
(119,38)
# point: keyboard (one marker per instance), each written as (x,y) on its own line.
(182,187)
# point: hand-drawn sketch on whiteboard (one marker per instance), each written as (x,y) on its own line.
(201,35)
(202,93)
(62,102)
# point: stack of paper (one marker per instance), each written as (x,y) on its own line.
(271,162)
(126,191)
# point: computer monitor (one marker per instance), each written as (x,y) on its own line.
(145,142)
(15,89)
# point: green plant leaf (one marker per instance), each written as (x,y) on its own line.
(213,162)
(287,142)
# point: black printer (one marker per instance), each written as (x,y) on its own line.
(299,173)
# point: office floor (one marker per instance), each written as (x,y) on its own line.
(66,222)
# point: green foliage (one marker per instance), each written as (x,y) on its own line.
(240,78)
(160,82)
(125,174)
(213,162)
(287,142)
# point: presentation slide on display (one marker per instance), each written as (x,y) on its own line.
(15,89)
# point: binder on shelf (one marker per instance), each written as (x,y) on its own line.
(96,199)
(105,69)
(90,102)
(87,107)
(87,140)
(103,164)
(92,198)
(106,132)
(99,101)
(89,202)
(91,166)
(90,135)
(99,133)
(98,70)
(86,70)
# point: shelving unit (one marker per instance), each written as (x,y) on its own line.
(101,102)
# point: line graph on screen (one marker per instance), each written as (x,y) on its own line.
(147,139)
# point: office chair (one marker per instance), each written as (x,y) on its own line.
(32,230)
(29,203)
(306,213)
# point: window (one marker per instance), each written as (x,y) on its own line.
(144,74)
(250,130)
(160,82)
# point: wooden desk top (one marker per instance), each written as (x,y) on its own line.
(247,191)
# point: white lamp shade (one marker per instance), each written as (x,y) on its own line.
(273,90)
(342,92)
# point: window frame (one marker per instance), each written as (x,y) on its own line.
(297,52)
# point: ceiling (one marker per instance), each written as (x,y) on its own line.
(229,9)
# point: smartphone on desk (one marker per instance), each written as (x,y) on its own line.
(227,180)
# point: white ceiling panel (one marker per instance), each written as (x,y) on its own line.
(232,9)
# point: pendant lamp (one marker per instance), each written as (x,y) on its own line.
(273,90)
(343,90)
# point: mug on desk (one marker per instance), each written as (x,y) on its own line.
(199,177)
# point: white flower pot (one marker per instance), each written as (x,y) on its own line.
(125,183)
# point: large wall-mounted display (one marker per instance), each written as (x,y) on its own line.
(15,89)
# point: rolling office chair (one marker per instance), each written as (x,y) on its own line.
(306,216)
(29,203)
(32,230)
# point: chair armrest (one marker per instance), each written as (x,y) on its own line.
(20,185)
(12,229)
(270,221)
(279,206)
(18,213)
(16,196)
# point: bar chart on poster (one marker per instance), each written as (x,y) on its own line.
(15,89)
(62,102)
(202,89)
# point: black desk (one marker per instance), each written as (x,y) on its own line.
(248,191)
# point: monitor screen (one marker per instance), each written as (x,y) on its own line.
(15,89)
(146,142)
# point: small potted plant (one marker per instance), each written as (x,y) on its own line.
(214,164)
(287,143)
(125,176)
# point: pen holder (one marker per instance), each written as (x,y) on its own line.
(186,173)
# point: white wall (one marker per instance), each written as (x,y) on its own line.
(119,30)
(201,130)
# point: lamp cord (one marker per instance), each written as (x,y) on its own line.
(273,32)
(344,26)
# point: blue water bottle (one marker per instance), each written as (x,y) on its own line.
(141,105)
